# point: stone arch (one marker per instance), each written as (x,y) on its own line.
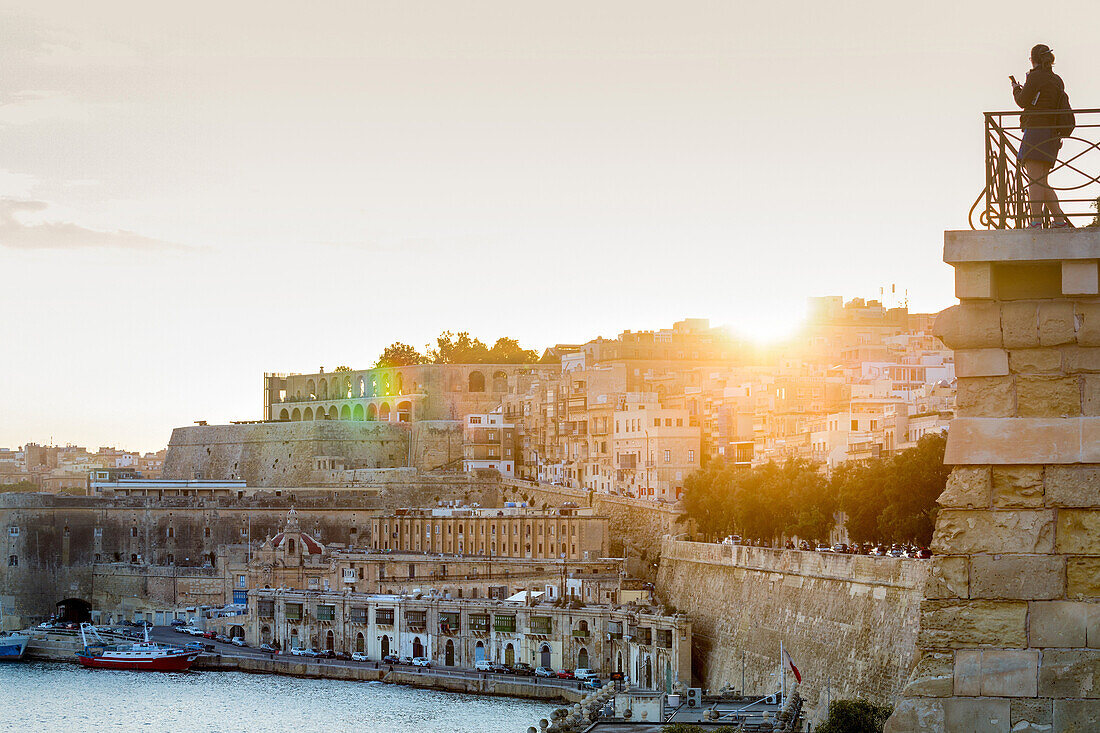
(360,387)
(284,415)
(479,651)
(311,389)
(373,385)
(510,654)
(236,631)
(384,411)
(582,658)
(333,414)
(385,648)
(476,382)
(387,385)
(399,382)
(544,656)
(330,640)
(500,381)
(296,415)
(418,647)
(404,411)
(308,414)
(360,642)
(346,394)
(265,634)
(449,653)
(372,411)
(647,673)
(619,664)
(294,638)
(345,412)
(357,413)
(322,390)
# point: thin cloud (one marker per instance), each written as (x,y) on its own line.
(17,234)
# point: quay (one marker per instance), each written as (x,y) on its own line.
(61,645)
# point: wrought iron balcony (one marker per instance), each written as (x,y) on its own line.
(1004,203)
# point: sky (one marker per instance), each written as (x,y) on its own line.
(194,194)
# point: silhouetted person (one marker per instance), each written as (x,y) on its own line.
(1041,92)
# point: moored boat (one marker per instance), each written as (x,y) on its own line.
(139,655)
(12,646)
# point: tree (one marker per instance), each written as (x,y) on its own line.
(342,369)
(893,499)
(458,349)
(508,351)
(399,354)
(855,716)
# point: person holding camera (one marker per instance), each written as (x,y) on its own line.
(1041,94)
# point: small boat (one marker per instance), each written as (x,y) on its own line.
(12,646)
(139,655)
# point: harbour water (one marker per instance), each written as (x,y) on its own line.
(55,697)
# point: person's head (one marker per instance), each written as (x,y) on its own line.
(1042,56)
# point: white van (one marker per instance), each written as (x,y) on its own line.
(483,665)
(585,674)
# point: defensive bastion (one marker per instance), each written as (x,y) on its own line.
(1010,626)
(849,621)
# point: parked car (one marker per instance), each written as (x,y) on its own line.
(325,654)
(422,662)
(566,674)
(584,673)
(176,623)
(209,635)
(359,657)
(343,656)
(924,554)
(545,672)
(194,646)
(303,652)
(522,668)
(391,659)
(483,665)
(267,648)
(593,684)
(823,548)
(223,639)
(840,548)
(804,545)
(239,641)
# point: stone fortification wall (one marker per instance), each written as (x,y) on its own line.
(56,539)
(848,621)
(281,454)
(127,587)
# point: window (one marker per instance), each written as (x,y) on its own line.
(13,531)
(691,456)
(475,420)
(293,612)
(668,456)
(349,575)
(206,532)
(171,532)
(359,615)
(679,422)
(504,623)
(97,532)
(133,531)
(668,422)
(326,613)
(855,424)
(656,422)
(384,616)
(13,561)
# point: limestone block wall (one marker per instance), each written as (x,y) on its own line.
(848,621)
(1010,626)
(281,454)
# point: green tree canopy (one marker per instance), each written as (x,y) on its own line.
(893,499)
(399,354)
(855,716)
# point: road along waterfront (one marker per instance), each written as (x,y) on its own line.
(47,696)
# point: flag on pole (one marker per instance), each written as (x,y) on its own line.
(790,663)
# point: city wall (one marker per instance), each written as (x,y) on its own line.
(849,622)
(282,454)
(56,539)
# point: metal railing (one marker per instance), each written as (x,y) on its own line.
(1075,177)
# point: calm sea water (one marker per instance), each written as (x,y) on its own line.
(70,699)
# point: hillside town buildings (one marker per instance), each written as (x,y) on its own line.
(66,469)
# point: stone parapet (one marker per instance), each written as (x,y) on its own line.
(1010,626)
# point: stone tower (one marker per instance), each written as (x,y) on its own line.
(1010,626)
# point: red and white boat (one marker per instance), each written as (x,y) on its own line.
(140,655)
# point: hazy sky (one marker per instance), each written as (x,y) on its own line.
(195,194)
